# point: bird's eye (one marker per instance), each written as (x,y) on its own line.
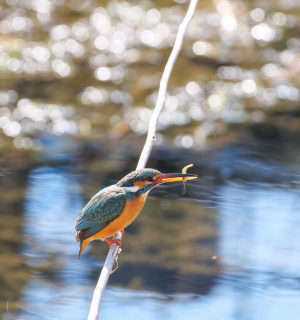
(150,179)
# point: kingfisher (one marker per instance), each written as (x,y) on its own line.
(113,208)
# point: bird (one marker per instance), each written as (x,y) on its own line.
(113,208)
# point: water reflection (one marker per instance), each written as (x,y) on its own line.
(53,201)
(258,251)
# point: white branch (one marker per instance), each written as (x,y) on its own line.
(163,85)
(112,255)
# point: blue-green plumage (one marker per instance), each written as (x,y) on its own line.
(108,203)
(114,208)
(102,209)
(140,175)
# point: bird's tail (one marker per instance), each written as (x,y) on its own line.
(83,245)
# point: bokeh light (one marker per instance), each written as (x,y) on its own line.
(108,47)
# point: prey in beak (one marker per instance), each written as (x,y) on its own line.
(174,177)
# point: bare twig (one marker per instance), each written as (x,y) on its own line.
(163,85)
(112,255)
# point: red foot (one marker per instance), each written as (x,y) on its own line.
(110,242)
(122,231)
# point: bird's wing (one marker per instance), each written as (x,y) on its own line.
(100,212)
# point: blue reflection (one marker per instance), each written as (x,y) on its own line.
(53,202)
(259,253)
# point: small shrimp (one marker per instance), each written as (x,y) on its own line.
(183,179)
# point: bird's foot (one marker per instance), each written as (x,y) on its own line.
(110,242)
(122,231)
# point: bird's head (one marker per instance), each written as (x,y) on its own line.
(142,181)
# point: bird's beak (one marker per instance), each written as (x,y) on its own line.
(173,177)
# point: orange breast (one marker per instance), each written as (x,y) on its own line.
(130,212)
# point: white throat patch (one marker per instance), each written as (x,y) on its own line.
(130,189)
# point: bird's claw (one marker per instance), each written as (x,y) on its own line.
(110,242)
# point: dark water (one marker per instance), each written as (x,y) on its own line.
(244,263)
(227,249)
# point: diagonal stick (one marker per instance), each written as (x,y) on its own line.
(112,255)
(163,86)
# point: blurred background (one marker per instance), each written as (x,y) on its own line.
(79,81)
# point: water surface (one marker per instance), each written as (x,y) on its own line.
(257,254)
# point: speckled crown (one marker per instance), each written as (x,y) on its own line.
(138,175)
